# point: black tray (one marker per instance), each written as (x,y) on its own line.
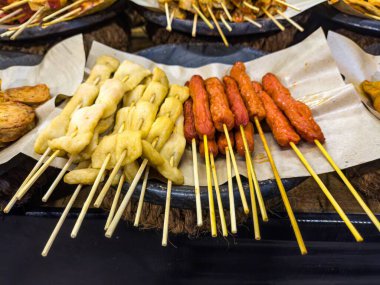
(70,27)
(238,29)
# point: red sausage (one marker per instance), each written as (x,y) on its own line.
(249,134)
(212,148)
(189,126)
(222,142)
(236,101)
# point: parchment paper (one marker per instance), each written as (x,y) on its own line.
(355,64)
(303,5)
(62,71)
(311,74)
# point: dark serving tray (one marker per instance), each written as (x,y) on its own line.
(238,29)
(70,27)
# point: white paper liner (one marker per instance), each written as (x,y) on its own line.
(355,64)
(303,5)
(61,70)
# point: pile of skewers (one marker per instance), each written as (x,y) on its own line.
(23,14)
(225,11)
(125,119)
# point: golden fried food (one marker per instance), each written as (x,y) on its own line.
(16,119)
(372,90)
(30,95)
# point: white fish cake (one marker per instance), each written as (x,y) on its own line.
(160,76)
(151,154)
(171,108)
(85,176)
(130,170)
(143,117)
(129,141)
(130,74)
(133,96)
(174,147)
(182,93)
(110,95)
(83,122)
(105,147)
(103,69)
(155,93)
(123,119)
(160,132)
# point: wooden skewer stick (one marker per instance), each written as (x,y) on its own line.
(253,22)
(291,21)
(288,5)
(324,189)
(209,188)
(281,188)
(7,34)
(60,222)
(217,26)
(64,9)
(270,16)
(167,210)
(237,175)
(91,195)
(10,16)
(196,184)
(56,181)
(225,23)
(254,177)
(141,199)
(255,217)
(218,197)
(126,199)
(231,193)
(14,5)
(208,23)
(32,172)
(26,24)
(227,12)
(250,6)
(62,18)
(115,201)
(353,191)
(194,30)
(168,22)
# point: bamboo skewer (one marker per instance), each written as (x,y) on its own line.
(217,26)
(10,15)
(209,188)
(58,179)
(231,193)
(141,199)
(254,177)
(353,191)
(253,22)
(14,5)
(250,6)
(60,11)
(90,196)
(288,5)
(26,24)
(60,222)
(194,30)
(62,18)
(115,201)
(199,12)
(225,23)
(281,188)
(167,210)
(237,175)
(218,197)
(327,193)
(270,16)
(196,184)
(256,226)
(32,172)
(291,21)
(168,22)
(227,12)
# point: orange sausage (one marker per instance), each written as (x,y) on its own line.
(249,134)
(212,148)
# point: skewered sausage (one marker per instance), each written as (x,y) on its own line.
(281,128)
(201,108)
(236,101)
(189,126)
(212,148)
(252,101)
(222,142)
(249,135)
(220,110)
(298,113)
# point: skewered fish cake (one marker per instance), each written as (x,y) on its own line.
(180,92)
(133,96)
(160,132)
(171,108)
(131,74)
(130,170)
(143,117)
(160,76)
(155,93)
(105,66)
(84,176)
(110,94)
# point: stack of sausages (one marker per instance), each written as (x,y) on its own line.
(235,102)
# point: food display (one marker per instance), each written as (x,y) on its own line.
(363,8)
(23,14)
(372,90)
(17,115)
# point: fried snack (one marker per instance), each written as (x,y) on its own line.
(16,119)
(372,90)
(29,95)
(104,68)
(249,135)
(366,7)
(133,96)
(130,74)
